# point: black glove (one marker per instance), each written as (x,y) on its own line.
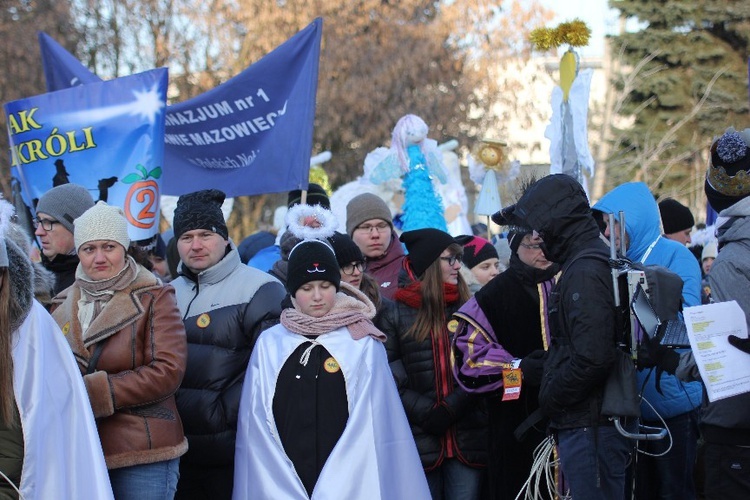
(438,419)
(652,354)
(741,344)
(532,367)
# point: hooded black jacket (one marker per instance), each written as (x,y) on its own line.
(582,323)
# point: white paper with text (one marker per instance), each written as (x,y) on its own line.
(725,370)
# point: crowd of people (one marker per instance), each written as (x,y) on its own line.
(370,363)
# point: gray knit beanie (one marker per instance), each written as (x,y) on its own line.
(102,222)
(65,203)
(364,207)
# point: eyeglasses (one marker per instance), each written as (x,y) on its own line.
(349,268)
(459,257)
(531,247)
(47,224)
(381,228)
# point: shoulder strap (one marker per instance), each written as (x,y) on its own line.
(590,253)
(91,368)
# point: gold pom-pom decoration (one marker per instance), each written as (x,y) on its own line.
(574,33)
(544,39)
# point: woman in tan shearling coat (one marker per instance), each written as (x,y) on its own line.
(127,336)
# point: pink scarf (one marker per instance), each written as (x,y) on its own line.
(351,309)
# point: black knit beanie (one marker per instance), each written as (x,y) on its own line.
(311,260)
(675,216)
(424,247)
(476,250)
(346,250)
(200,210)
(515,237)
(316,195)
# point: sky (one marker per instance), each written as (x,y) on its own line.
(595,13)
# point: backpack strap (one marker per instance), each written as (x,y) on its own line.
(589,253)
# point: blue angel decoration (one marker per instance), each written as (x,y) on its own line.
(416,159)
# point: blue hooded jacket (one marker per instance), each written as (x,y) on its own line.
(648,246)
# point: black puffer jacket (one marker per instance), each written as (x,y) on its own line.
(224,308)
(418,367)
(582,312)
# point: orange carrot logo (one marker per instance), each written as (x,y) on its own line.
(142,198)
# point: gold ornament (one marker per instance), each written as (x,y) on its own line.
(574,33)
(320,177)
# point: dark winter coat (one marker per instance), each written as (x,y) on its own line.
(64,268)
(418,367)
(224,309)
(582,322)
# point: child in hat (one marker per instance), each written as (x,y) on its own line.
(320,414)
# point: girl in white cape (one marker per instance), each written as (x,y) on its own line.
(320,415)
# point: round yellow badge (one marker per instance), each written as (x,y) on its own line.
(203,320)
(331,365)
(453,325)
(66,328)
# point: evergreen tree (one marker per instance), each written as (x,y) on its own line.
(683,82)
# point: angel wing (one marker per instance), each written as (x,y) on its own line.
(381,165)
(434,158)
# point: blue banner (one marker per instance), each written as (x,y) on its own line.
(251,135)
(61,69)
(106,136)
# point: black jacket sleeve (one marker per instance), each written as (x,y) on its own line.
(263,311)
(588,319)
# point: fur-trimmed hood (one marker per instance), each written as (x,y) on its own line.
(43,279)
(22,276)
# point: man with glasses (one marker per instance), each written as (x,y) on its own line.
(55,213)
(370,225)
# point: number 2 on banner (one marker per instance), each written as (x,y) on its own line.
(142,197)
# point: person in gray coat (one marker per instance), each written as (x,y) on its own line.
(725,423)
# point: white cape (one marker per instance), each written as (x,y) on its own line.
(63,456)
(375,457)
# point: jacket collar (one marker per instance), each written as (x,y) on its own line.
(123,309)
(392,253)
(61,263)
(218,271)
